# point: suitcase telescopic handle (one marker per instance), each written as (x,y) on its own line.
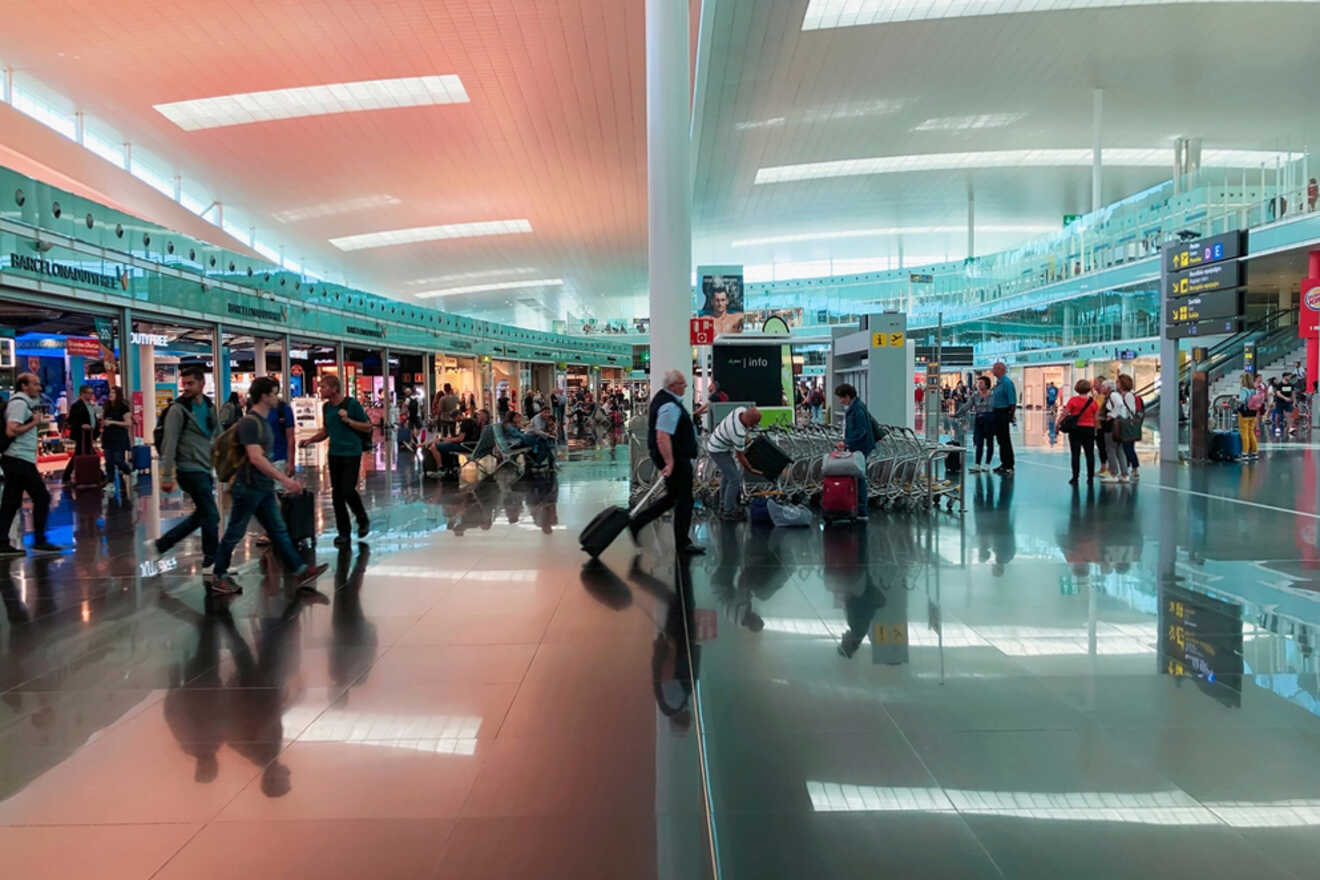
(650,493)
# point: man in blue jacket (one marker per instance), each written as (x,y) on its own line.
(1004,401)
(857,435)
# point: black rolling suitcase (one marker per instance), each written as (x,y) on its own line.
(610,523)
(767,458)
(299,512)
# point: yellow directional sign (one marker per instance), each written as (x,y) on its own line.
(889,635)
(881,340)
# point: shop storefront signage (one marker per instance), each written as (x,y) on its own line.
(279,315)
(156,340)
(105,332)
(372,332)
(65,272)
(1125,354)
(81,346)
(460,344)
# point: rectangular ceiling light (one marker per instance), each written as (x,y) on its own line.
(332,209)
(347,97)
(823,14)
(1159,157)
(890,230)
(498,285)
(968,123)
(470,276)
(430,233)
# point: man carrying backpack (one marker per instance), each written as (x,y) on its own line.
(22,423)
(254,492)
(183,439)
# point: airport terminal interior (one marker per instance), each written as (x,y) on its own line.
(617,439)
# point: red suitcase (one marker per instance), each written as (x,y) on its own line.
(86,471)
(839,500)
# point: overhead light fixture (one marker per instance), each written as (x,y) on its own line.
(968,123)
(346,97)
(331,209)
(430,233)
(469,276)
(1030,228)
(824,14)
(1157,157)
(483,288)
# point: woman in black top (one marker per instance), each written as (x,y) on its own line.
(115,438)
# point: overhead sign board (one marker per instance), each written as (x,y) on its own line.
(1211,327)
(920,278)
(949,355)
(1218,304)
(1202,251)
(1204,279)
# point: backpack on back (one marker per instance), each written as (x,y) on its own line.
(226,454)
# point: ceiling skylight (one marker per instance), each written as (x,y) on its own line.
(470,276)
(498,285)
(1158,157)
(348,97)
(430,233)
(967,123)
(332,209)
(1028,228)
(822,14)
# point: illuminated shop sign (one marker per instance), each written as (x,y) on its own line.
(65,272)
(156,340)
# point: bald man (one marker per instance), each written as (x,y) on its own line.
(20,466)
(728,449)
(672,440)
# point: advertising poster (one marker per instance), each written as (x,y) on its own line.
(722,297)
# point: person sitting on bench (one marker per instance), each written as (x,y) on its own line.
(440,456)
(539,447)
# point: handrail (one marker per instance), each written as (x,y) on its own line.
(1225,355)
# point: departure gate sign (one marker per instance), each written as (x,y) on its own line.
(1202,282)
(1229,246)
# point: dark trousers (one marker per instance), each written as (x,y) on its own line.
(248,502)
(1130,451)
(678,495)
(1003,417)
(344,493)
(1082,439)
(116,456)
(200,489)
(22,476)
(983,436)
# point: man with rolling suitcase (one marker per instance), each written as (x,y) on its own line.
(254,493)
(84,428)
(672,440)
(858,436)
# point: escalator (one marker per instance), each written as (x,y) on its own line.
(1271,335)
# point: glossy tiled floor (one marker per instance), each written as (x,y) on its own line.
(1116,682)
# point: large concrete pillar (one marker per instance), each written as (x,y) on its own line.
(668,186)
(258,357)
(1097,168)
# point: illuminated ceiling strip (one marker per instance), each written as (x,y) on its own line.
(430,233)
(890,230)
(1159,157)
(331,209)
(824,14)
(498,285)
(471,276)
(968,123)
(346,97)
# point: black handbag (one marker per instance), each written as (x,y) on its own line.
(1068,423)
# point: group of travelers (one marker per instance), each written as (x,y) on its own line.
(992,409)
(1103,418)
(1278,400)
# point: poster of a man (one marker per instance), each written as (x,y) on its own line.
(723,301)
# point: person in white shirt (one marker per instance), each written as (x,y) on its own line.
(1122,404)
(728,449)
(22,421)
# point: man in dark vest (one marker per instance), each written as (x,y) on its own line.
(672,440)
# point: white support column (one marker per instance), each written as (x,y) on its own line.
(286,367)
(79,128)
(128,157)
(178,187)
(1097,167)
(668,186)
(971,221)
(258,357)
(9,85)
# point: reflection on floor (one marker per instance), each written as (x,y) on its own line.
(1117,681)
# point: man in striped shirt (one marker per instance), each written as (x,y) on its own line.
(728,447)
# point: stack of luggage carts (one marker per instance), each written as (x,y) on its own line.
(905,472)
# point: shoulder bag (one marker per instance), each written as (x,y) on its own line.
(1069,422)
